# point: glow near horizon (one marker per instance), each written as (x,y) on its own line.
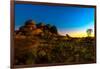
(79,32)
(68,20)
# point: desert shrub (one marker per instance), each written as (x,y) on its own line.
(54,52)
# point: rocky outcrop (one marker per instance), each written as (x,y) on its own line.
(31,28)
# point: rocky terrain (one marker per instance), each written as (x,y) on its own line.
(39,43)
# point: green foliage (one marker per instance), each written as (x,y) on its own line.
(35,49)
(89,31)
(57,52)
(53,29)
(41,24)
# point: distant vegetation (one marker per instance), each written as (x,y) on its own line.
(42,44)
(89,31)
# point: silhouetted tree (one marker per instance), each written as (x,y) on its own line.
(48,26)
(41,24)
(89,31)
(53,29)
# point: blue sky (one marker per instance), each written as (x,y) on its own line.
(67,19)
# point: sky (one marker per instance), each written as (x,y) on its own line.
(68,20)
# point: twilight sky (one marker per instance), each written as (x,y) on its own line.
(68,20)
